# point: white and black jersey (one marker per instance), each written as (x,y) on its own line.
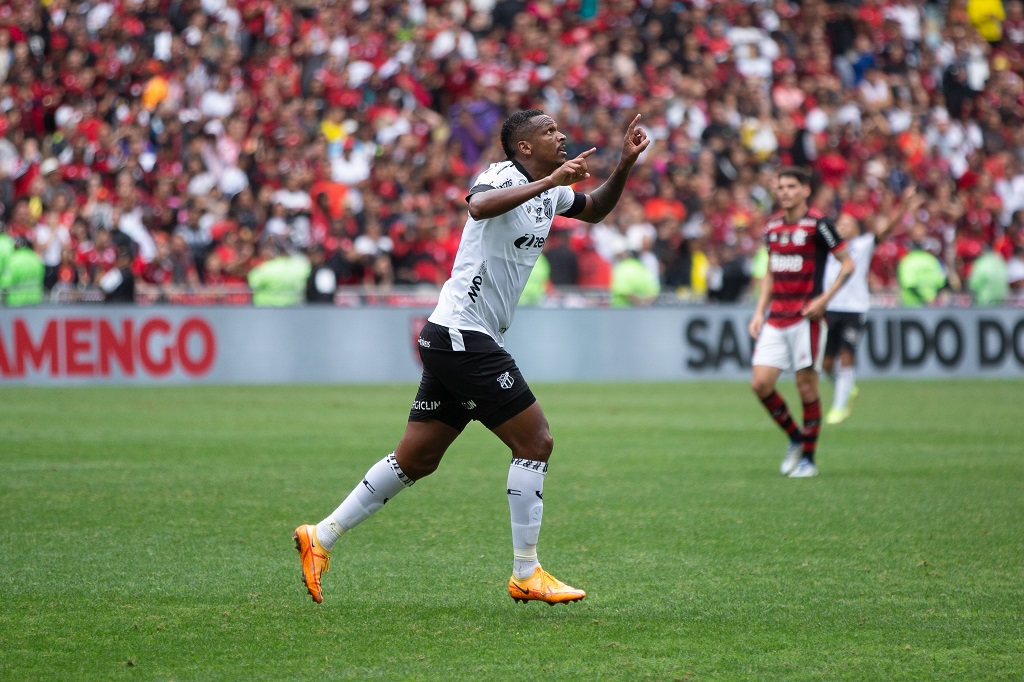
(496,255)
(854,296)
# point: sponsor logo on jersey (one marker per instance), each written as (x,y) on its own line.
(477,282)
(829,234)
(778,262)
(530,241)
(506,381)
(474,287)
(507,183)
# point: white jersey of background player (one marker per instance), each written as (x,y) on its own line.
(855,297)
(496,255)
(847,311)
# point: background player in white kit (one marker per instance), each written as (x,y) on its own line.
(847,311)
(467,374)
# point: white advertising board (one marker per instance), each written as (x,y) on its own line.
(179,345)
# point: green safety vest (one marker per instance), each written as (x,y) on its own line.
(279,282)
(989,280)
(630,277)
(23,278)
(537,284)
(920,275)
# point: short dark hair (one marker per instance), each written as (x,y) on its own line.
(801,175)
(512,128)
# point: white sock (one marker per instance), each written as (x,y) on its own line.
(845,377)
(383,481)
(526,507)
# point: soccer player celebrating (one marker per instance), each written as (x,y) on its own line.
(846,312)
(467,373)
(792,337)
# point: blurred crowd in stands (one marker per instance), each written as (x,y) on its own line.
(179,145)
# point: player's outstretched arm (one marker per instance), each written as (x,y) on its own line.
(910,200)
(602,200)
(494,202)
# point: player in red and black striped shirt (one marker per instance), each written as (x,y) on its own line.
(792,337)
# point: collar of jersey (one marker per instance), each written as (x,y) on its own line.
(521,169)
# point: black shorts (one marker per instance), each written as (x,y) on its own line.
(481,382)
(844,331)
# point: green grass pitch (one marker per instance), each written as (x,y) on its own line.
(145,534)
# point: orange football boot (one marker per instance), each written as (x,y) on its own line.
(542,586)
(315,560)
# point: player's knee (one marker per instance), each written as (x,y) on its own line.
(421,469)
(538,448)
(547,444)
(761,388)
(808,389)
(419,464)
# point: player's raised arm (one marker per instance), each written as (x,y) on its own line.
(602,200)
(909,201)
(494,202)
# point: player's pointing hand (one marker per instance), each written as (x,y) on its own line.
(636,141)
(573,170)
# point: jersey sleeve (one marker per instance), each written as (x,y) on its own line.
(569,202)
(826,234)
(491,178)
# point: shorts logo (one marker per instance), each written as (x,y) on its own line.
(506,381)
(469,405)
(423,342)
(426,405)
